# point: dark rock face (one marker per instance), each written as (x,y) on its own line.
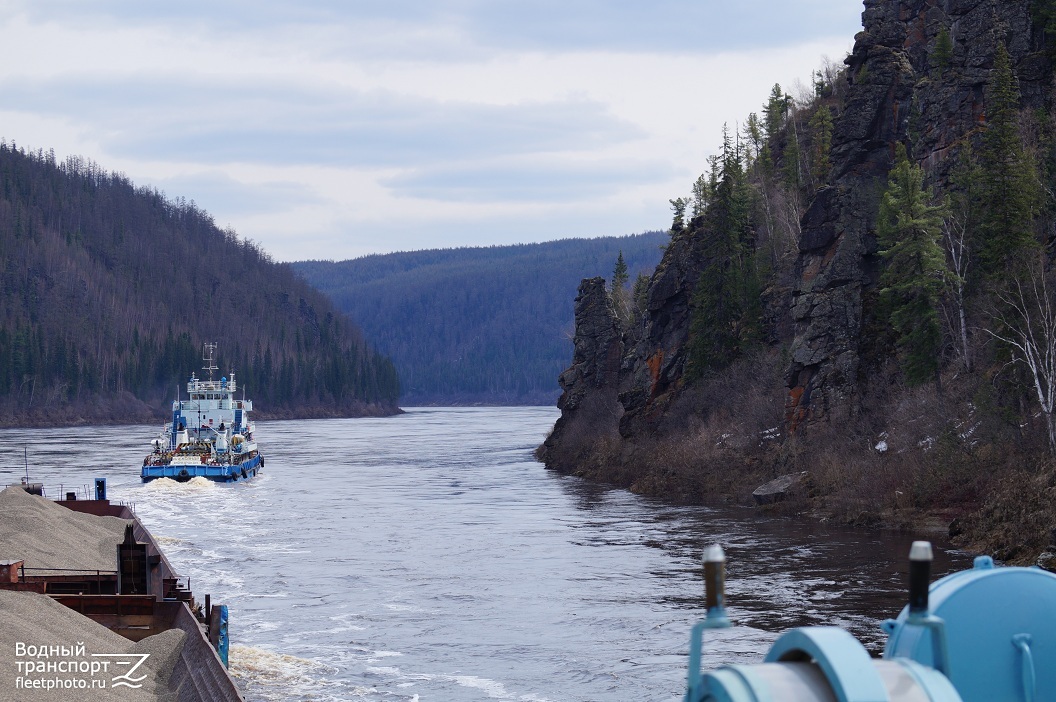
(656,352)
(589,406)
(620,381)
(621,385)
(896,95)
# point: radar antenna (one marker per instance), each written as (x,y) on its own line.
(208,351)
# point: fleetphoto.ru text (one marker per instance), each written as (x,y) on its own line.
(71,667)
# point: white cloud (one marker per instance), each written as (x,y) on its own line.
(328,132)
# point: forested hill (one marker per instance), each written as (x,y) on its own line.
(477,325)
(109,291)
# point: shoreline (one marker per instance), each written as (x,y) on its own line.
(80,419)
(665,470)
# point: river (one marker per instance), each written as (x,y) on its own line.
(427,557)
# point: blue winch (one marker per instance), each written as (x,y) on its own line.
(987,633)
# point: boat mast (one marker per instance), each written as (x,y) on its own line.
(209,348)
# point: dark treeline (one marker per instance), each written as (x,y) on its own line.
(109,291)
(476,325)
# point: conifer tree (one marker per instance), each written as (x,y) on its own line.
(619,273)
(818,78)
(678,206)
(1008,181)
(701,195)
(753,136)
(943,53)
(821,131)
(640,295)
(1044,16)
(726,307)
(774,113)
(909,229)
(618,292)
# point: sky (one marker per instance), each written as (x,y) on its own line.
(338,128)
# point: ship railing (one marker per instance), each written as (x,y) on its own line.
(86,491)
(97,574)
(69,494)
(198,385)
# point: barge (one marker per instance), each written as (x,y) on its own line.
(141,597)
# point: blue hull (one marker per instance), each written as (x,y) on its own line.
(220,474)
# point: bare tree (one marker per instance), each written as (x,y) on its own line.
(1028,325)
(955,239)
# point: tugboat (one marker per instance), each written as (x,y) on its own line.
(210,435)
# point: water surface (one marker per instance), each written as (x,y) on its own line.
(429,557)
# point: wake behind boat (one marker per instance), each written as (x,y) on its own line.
(210,435)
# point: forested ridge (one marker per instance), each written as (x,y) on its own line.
(109,291)
(478,324)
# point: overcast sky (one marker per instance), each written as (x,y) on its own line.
(338,128)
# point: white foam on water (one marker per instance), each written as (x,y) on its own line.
(395,607)
(250,660)
(168,540)
(491,688)
(272,676)
(196,484)
(267,626)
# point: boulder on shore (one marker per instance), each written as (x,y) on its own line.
(779,488)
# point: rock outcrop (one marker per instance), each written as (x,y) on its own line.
(625,385)
(898,93)
(590,408)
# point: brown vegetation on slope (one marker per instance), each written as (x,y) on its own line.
(942,464)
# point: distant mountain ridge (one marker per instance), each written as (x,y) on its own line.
(108,292)
(485,325)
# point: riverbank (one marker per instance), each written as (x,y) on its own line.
(1010,517)
(925,459)
(128,410)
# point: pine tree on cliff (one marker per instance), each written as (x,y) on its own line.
(909,230)
(640,296)
(774,113)
(942,55)
(1008,181)
(1044,16)
(678,206)
(726,308)
(821,138)
(618,293)
(701,195)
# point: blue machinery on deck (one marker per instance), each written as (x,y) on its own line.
(985,634)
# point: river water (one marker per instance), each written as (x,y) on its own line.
(428,557)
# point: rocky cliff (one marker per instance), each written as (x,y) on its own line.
(897,94)
(627,387)
(620,381)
